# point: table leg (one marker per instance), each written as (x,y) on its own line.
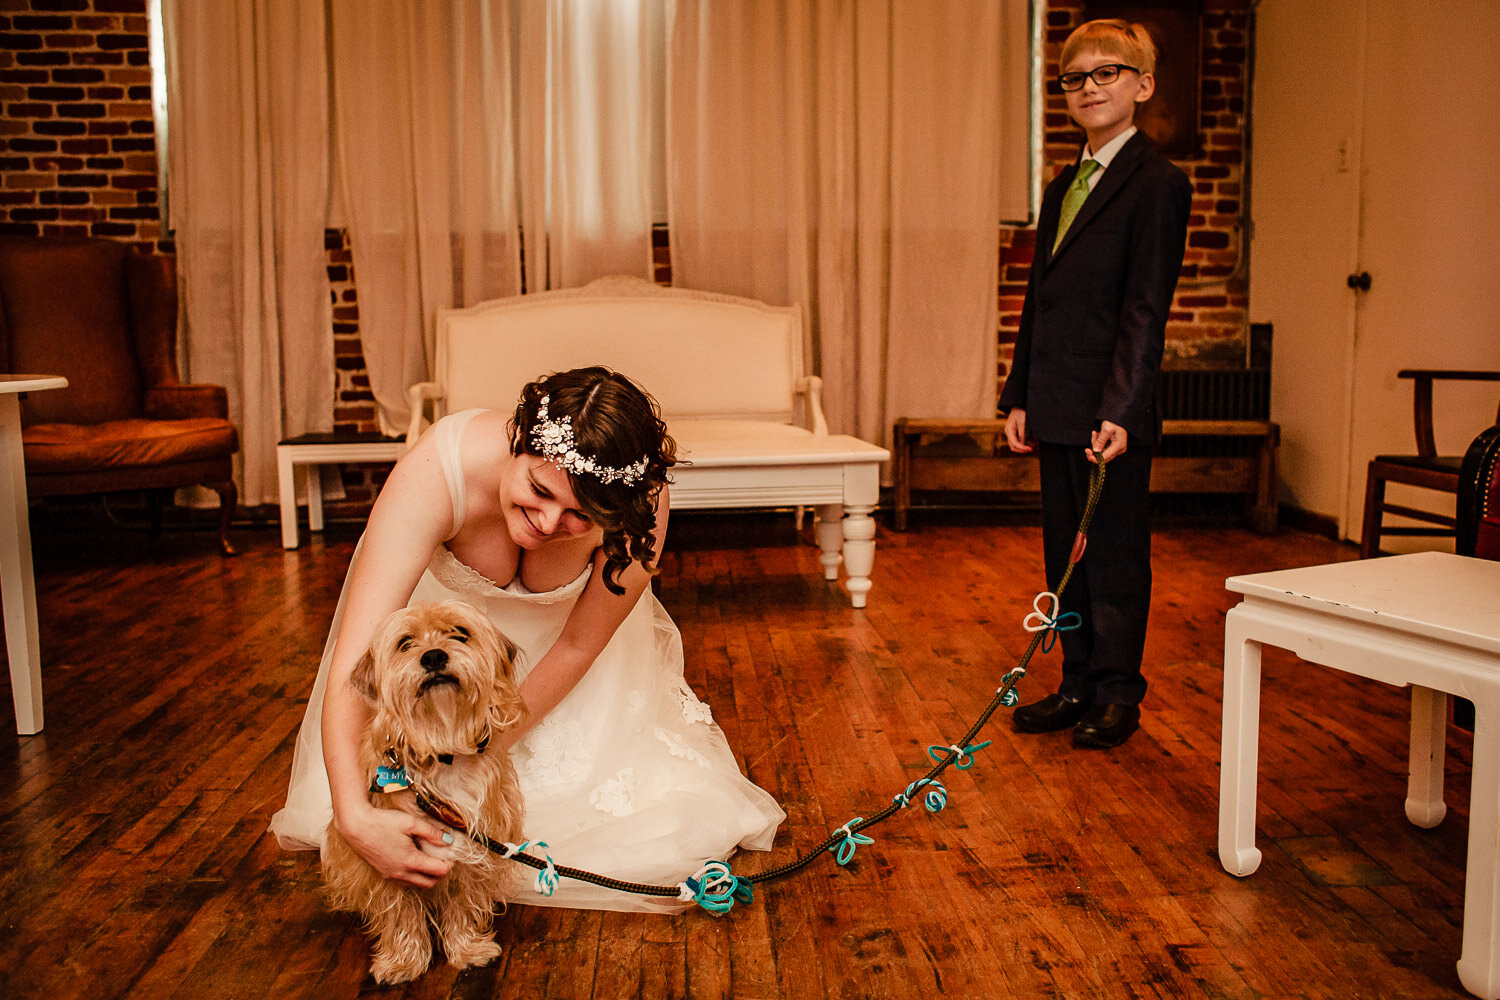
(1477,963)
(17,583)
(1239,749)
(314,474)
(859,551)
(861,494)
(828,528)
(1429,736)
(286,479)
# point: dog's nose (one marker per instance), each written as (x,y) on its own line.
(434,660)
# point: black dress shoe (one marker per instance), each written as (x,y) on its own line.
(1052,713)
(1105,726)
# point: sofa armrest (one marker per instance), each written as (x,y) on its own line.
(416,400)
(182,402)
(811,387)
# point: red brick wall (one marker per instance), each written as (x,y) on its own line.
(77,155)
(77,142)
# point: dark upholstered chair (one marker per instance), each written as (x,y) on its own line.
(105,316)
(1479,498)
(1478,516)
(1426,468)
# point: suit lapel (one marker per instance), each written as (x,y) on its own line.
(1114,177)
(1046,229)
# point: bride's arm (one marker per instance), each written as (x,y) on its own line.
(590,626)
(410,518)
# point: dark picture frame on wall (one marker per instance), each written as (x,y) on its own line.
(1170,118)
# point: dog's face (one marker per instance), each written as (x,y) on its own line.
(442,676)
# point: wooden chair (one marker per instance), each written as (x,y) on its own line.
(105,316)
(1426,469)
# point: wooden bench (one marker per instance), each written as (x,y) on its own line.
(728,373)
(971,455)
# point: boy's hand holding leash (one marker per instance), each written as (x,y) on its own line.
(1109,440)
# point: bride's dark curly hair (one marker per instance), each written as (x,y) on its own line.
(617,424)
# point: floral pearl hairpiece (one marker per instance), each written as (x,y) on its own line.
(553,439)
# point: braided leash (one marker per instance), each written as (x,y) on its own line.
(714,886)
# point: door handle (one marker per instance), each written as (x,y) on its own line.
(1360,282)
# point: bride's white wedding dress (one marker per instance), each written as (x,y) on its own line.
(627,777)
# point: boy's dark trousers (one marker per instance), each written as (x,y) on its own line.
(1111,587)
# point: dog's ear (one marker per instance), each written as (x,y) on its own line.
(507,709)
(506,656)
(362,678)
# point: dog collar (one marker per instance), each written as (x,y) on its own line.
(392,777)
(479,748)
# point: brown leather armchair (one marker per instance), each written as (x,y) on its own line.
(105,316)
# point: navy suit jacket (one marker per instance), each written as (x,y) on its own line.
(1093,326)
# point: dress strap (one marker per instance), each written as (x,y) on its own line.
(448,435)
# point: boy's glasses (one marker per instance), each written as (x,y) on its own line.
(1102,75)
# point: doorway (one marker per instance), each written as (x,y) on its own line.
(1366,118)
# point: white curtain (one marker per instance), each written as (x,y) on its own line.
(847,155)
(468,126)
(247,89)
(430,142)
(854,156)
(424,156)
(587,87)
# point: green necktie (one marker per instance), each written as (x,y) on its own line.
(1073,200)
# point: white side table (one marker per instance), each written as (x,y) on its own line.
(1427,620)
(17,583)
(315,450)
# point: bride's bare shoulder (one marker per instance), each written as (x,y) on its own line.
(486,443)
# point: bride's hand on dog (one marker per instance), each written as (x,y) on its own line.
(388,839)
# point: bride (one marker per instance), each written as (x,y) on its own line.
(551,522)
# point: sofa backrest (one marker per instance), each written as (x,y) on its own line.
(65,310)
(699,354)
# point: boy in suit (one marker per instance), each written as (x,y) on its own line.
(1082,386)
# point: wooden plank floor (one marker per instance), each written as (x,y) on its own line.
(137,863)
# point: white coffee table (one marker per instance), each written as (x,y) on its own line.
(17,583)
(1430,621)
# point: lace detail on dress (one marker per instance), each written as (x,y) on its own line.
(557,755)
(459,576)
(635,709)
(679,747)
(616,796)
(694,710)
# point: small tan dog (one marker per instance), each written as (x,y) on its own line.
(441,678)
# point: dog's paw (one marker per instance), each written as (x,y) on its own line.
(472,951)
(388,969)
